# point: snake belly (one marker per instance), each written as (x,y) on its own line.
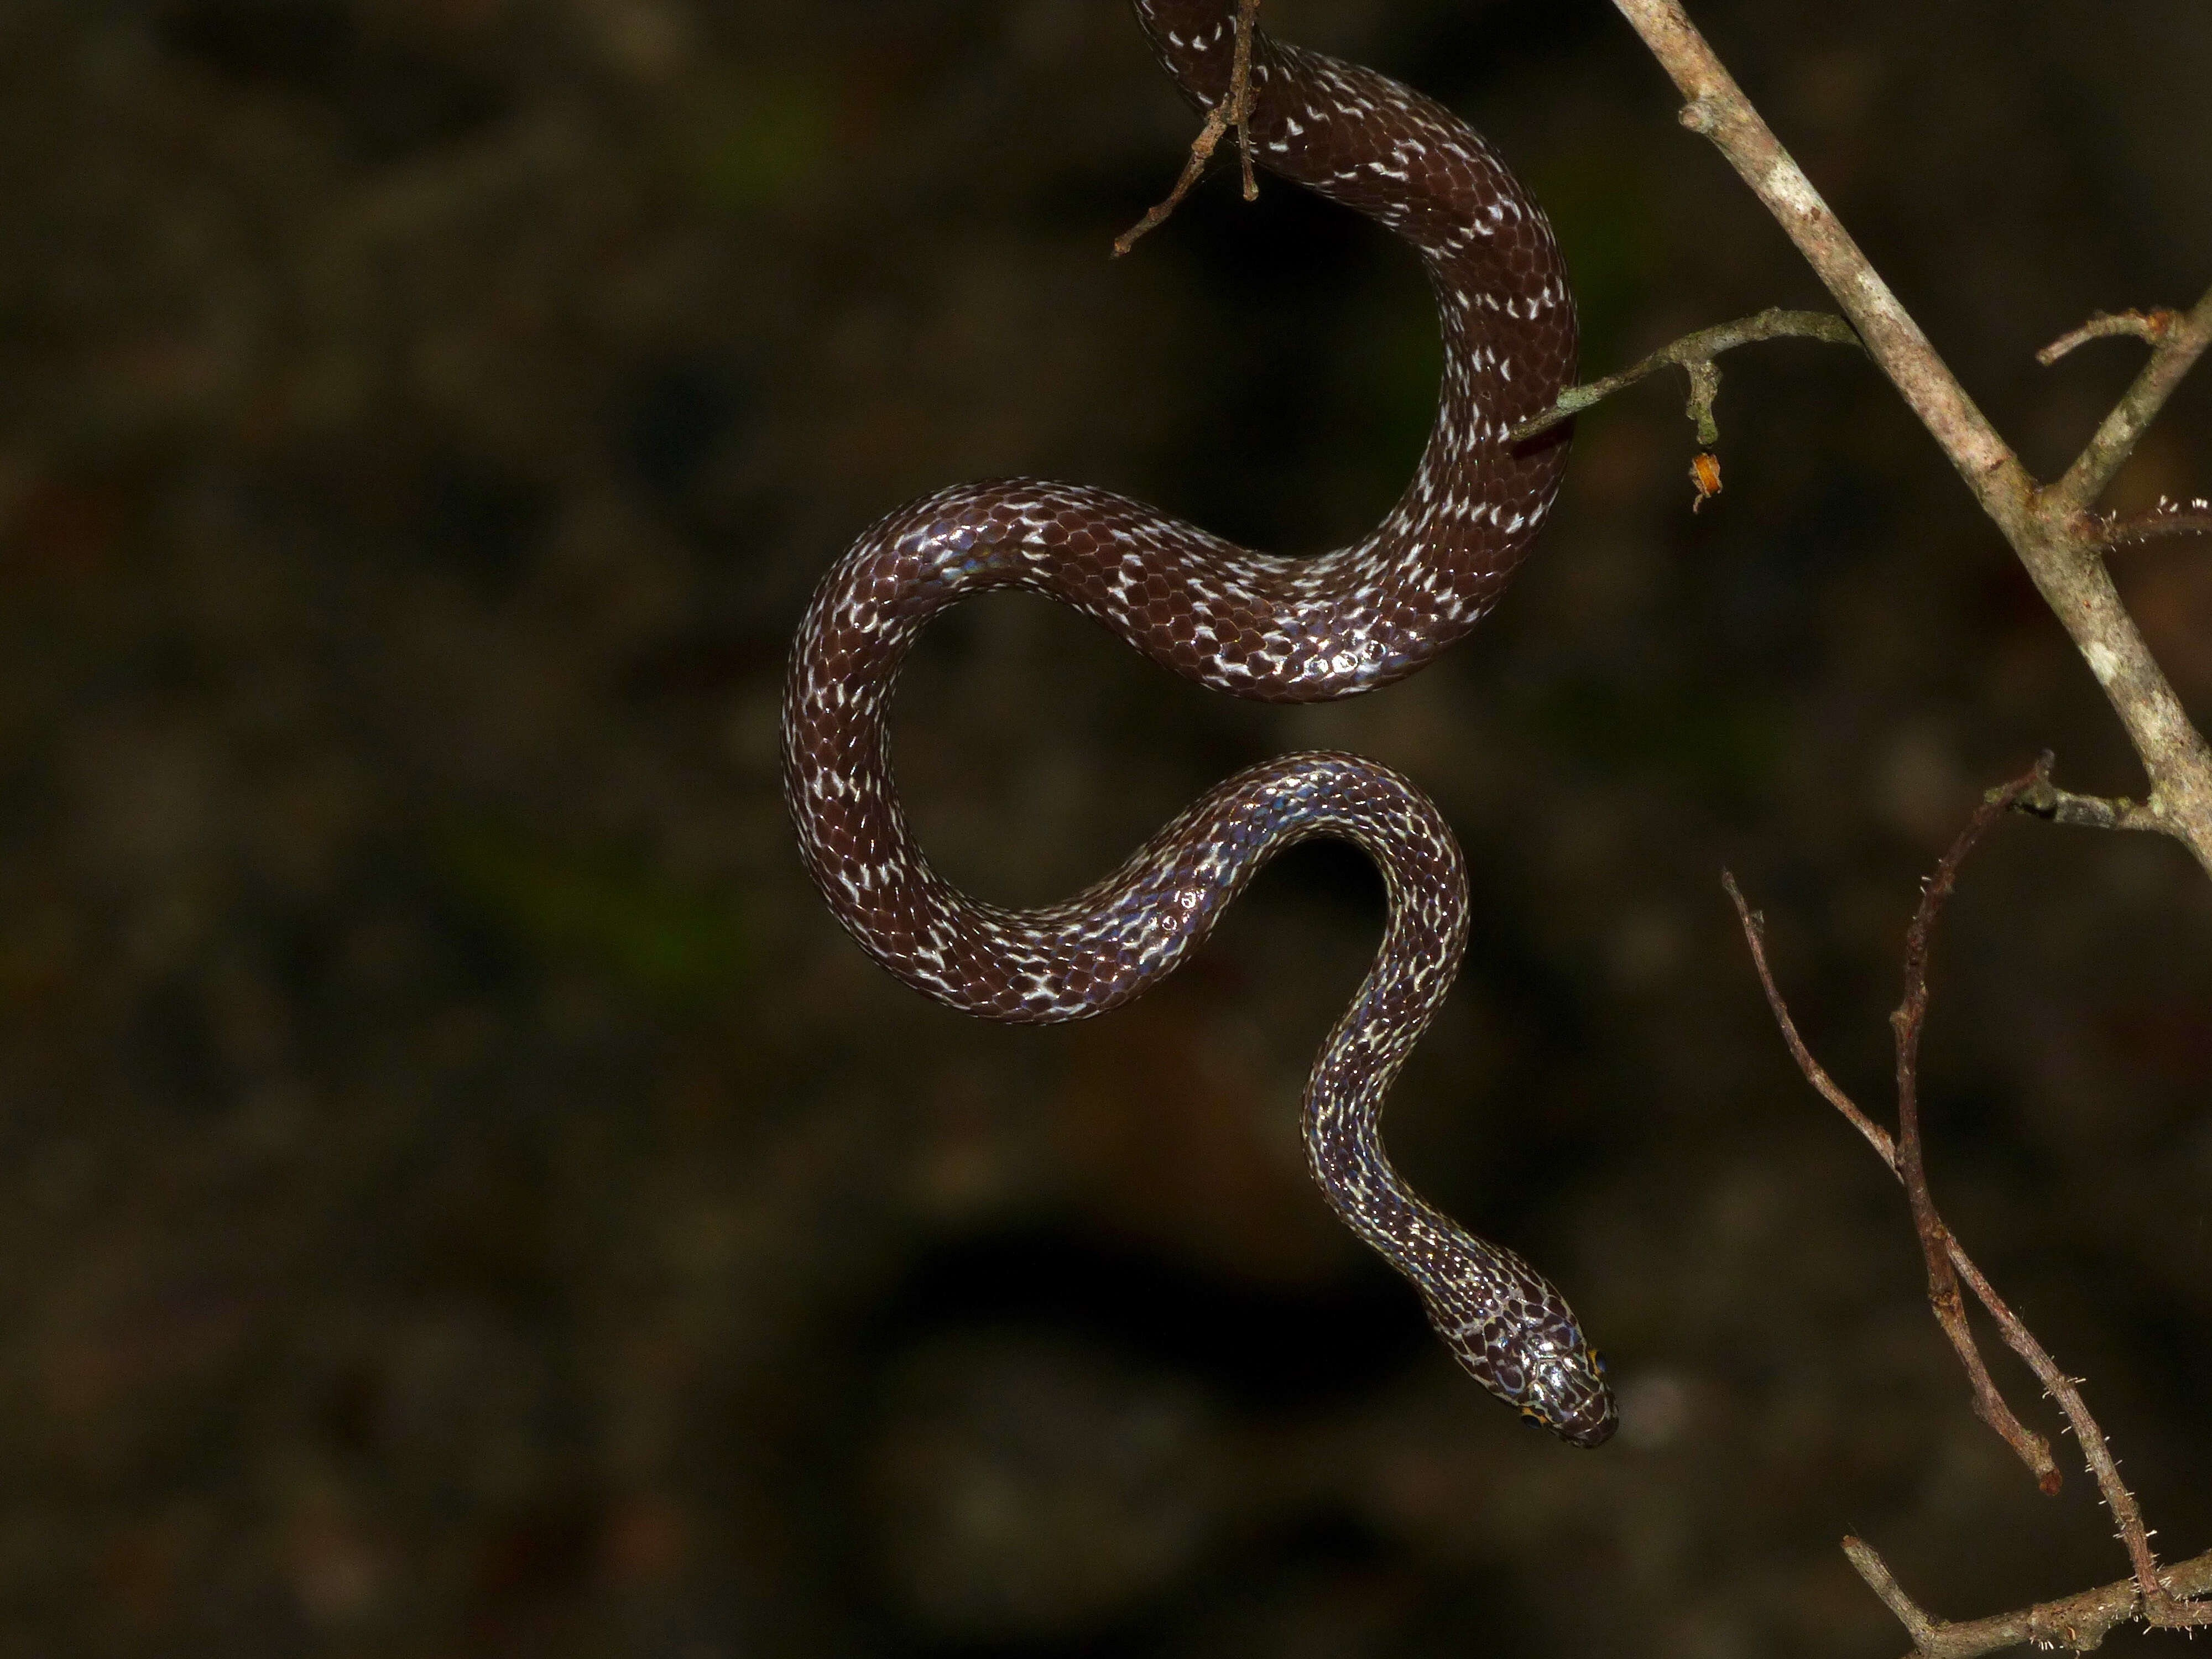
(1253,625)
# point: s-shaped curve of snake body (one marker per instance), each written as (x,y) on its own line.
(1284,629)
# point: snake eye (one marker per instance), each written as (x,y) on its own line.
(1530,1416)
(1597,1362)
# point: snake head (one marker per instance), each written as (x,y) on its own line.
(1566,1390)
(1520,1340)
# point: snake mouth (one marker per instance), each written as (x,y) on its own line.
(1568,1395)
(1590,1426)
(1592,1430)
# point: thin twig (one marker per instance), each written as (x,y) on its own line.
(1754,934)
(1907,1022)
(2167,518)
(1692,353)
(1240,92)
(1717,108)
(2079,1622)
(2048,529)
(2161,1607)
(1234,107)
(1926,1633)
(2152,325)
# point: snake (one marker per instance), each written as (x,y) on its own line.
(1278,628)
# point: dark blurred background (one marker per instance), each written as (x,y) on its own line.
(462,1195)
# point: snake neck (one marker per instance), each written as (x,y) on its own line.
(1506,1324)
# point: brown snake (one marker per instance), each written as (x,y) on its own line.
(1284,629)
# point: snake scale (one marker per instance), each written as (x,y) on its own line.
(1284,629)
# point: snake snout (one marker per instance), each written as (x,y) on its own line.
(1568,1393)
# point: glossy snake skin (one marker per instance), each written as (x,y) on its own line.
(1286,630)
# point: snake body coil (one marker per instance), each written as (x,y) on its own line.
(1283,629)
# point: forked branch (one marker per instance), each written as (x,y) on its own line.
(2051,529)
(2156,1596)
(2081,1621)
(1234,109)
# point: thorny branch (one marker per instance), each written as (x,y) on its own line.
(2050,526)
(1691,354)
(2079,1622)
(2167,518)
(2159,1598)
(2059,540)
(1906,1022)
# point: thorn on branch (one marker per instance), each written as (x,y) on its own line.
(1233,109)
(2079,1622)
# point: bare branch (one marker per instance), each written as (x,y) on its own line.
(1240,91)
(2160,1605)
(2057,540)
(2152,325)
(2079,1622)
(2048,529)
(1989,1405)
(1717,108)
(1927,1634)
(1694,354)
(1754,934)
(2159,1598)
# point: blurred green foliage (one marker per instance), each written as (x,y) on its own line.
(607,909)
(1729,745)
(1614,248)
(757,138)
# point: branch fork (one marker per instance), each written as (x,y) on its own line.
(2049,526)
(1235,109)
(2158,1597)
